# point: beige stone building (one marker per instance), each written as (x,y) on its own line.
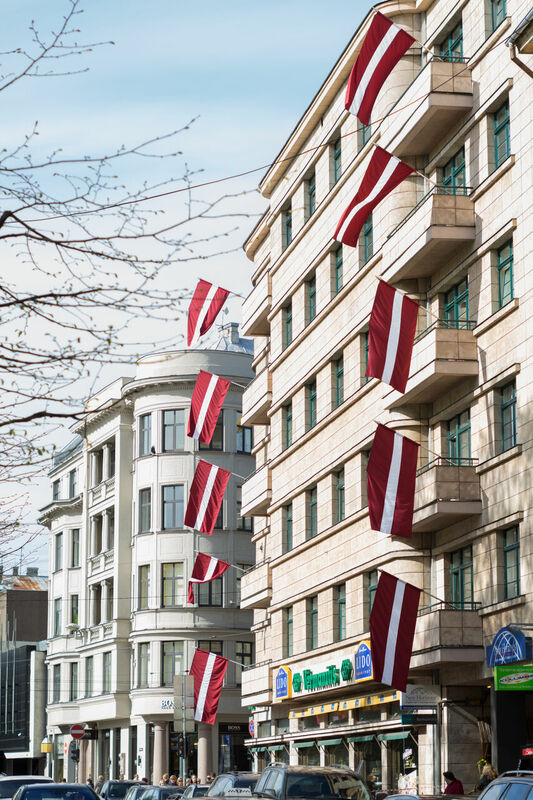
(456,242)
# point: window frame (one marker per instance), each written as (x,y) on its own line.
(143,665)
(511,548)
(170,658)
(74,609)
(146,491)
(74,673)
(455,167)
(463,568)
(58,551)
(497,15)
(312,503)
(311,194)
(508,405)
(89,676)
(176,583)
(372,587)
(340,603)
(288,527)
(243,523)
(287,425)
(72,483)
(210,593)
(339,380)
(310,291)
(245,432)
(454,299)
(340,497)
(367,240)
(288,631)
(56,683)
(337,159)
(217,440)
(456,429)
(74,547)
(502,129)
(312,611)
(287,227)
(107,672)
(244,656)
(173,505)
(451,41)
(58,616)
(143,588)
(311,392)
(505,269)
(145,435)
(338,270)
(174,427)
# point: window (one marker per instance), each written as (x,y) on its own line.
(508,408)
(337,159)
(106,673)
(459,438)
(310,291)
(74,669)
(287,632)
(498,12)
(364,133)
(310,391)
(462,578)
(287,528)
(339,496)
(312,509)
(340,604)
(74,608)
(72,483)
(456,305)
(170,651)
(287,425)
(145,510)
(219,522)
(56,490)
(89,676)
(243,523)
(58,552)
(337,270)
(143,664)
(210,594)
(244,438)
(172,584)
(173,512)
(451,48)
(502,134)
(312,615)
(56,683)
(145,434)
(287,227)
(243,654)
(173,430)
(287,324)
(339,381)
(57,616)
(144,586)
(373,578)
(505,273)
(511,563)
(311,195)
(75,550)
(217,441)
(364,339)
(367,241)
(454,174)
(211,646)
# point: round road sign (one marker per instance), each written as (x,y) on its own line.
(77,731)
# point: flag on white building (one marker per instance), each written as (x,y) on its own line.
(209,394)
(206,568)
(206,302)
(391,474)
(206,495)
(208,670)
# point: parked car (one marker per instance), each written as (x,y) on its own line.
(161,792)
(10,783)
(117,789)
(228,781)
(195,790)
(135,792)
(55,791)
(516,784)
(281,781)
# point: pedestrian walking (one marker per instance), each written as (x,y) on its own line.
(99,784)
(453,785)
(90,782)
(488,773)
(173,780)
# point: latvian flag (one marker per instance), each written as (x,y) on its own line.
(391,334)
(206,302)
(208,670)
(391,473)
(383,174)
(384,45)
(206,568)
(207,399)
(205,498)
(392,630)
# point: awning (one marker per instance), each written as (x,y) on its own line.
(360,738)
(330,742)
(303,744)
(389,737)
(257,749)
(275,747)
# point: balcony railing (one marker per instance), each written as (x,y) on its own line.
(450,324)
(448,605)
(438,188)
(444,461)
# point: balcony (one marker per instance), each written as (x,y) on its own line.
(256,587)
(257,493)
(447,633)
(257,399)
(443,355)
(256,307)
(428,236)
(256,684)
(446,492)
(436,100)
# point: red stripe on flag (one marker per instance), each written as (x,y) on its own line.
(207,399)
(391,474)
(208,670)
(391,336)
(392,630)
(206,495)
(205,304)
(206,568)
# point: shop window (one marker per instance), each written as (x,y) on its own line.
(338,718)
(336,754)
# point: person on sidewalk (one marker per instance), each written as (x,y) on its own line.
(453,785)
(487,776)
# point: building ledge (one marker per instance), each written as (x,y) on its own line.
(498,315)
(503,605)
(501,458)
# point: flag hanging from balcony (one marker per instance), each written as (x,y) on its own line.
(207,398)
(391,335)
(392,630)
(205,569)
(384,44)
(206,302)
(205,498)
(208,670)
(391,473)
(383,174)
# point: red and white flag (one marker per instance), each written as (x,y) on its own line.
(205,569)
(391,473)
(205,498)
(384,45)
(391,334)
(207,399)
(208,670)
(383,174)
(392,630)
(206,302)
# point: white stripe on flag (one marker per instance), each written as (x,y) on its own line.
(384,177)
(206,497)
(209,572)
(371,67)
(391,491)
(204,687)
(392,636)
(394,337)
(205,405)
(203,312)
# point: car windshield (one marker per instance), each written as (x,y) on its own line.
(118,789)
(330,785)
(8,788)
(54,791)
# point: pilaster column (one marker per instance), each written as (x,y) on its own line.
(106,465)
(103,601)
(105,530)
(160,752)
(89,766)
(82,766)
(204,751)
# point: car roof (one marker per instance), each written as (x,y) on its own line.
(316,770)
(40,778)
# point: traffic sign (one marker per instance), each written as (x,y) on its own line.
(77,731)
(251,727)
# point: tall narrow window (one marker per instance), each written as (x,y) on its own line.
(508,407)
(72,483)
(311,404)
(364,357)
(312,612)
(211,594)
(456,305)
(459,438)
(502,134)
(244,655)
(144,586)
(75,548)
(89,676)
(311,195)
(312,512)
(170,653)
(367,240)
(287,632)
(74,608)
(337,270)
(244,438)
(172,584)
(56,490)
(287,425)
(511,563)
(454,174)
(451,48)
(217,440)
(287,324)
(339,495)
(498,12)
(310,290)
(173,430)
(505,273)
(57,616)
(74,670)
(243,523)
(173,511)
(337,159)
(58,552)
(106,672)
(287,227)
(145,434)
(364,132)
(56,683)
(287,528)
(145,510)
(462,578)
(373,578)
(340,603)
(339,381)
(143,664)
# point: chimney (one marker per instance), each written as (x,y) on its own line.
(32,572)
(233,330)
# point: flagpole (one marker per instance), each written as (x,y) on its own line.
(199,552)
(425,308)
(425,591)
